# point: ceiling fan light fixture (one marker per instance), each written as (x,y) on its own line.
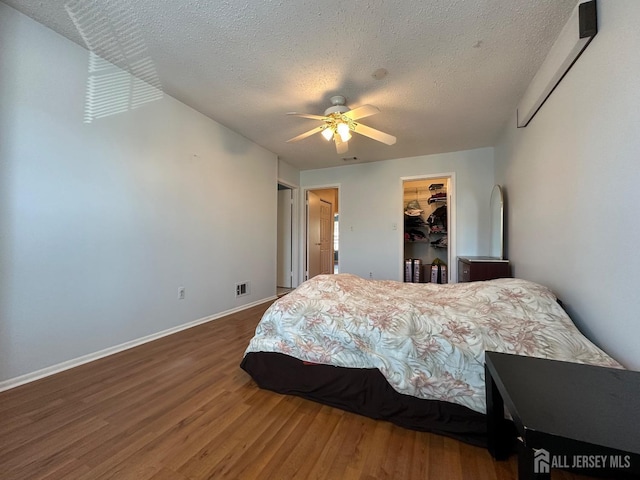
(343,131)
(327,133)
(339,121)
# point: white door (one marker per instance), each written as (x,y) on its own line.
(285,269)
(313,235)
(319,236)
(326,237)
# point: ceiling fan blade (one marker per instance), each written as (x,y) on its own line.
(361,112)
(307,115)
(341,147)
(375,134)
(307,134)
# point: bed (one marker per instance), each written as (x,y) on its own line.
(412,354)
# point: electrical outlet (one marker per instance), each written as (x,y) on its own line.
(181,292)
(370,274)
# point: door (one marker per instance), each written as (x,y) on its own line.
(313,235)
(322,204)
(326,237)
(285,244)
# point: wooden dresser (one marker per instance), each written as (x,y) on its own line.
(473,269)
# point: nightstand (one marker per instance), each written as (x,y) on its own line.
(567,415)
(473,269)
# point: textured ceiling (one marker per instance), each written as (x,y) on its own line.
(456,68)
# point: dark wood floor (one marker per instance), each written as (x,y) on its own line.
(181,408)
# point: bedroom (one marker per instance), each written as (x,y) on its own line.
(80,240)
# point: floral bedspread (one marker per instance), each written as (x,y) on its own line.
(427,340)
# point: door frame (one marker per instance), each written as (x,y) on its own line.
(284,277)
(451,222)
(304,243)
(295,231)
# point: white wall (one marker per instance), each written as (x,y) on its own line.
(572,180)
(371,202)
(288,174)
(101,223)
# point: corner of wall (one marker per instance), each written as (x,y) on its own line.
(288,173)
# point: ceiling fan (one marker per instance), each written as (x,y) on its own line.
(339,121)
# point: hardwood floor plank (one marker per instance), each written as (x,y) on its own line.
(307,447)
(225,444)
(28,461)
(253,463)
(421,455)
(475,463)
(67,471)
(193,443)
(374,464)
(398,456)
(123,448)
(56,419)
(180,408)
(331,452)
(166,474)
(192,429)
(356,444)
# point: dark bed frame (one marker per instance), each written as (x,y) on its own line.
(366,392)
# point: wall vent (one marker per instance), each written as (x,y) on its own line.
(242,289)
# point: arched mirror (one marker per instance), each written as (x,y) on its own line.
(496,247)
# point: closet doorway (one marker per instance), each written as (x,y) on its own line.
(321,232)
(429,229)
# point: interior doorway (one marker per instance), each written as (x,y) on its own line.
(321,222)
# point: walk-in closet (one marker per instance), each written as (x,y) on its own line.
(426,240)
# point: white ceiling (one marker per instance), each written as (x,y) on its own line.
(456,68)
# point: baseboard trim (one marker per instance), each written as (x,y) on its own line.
(76,362)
